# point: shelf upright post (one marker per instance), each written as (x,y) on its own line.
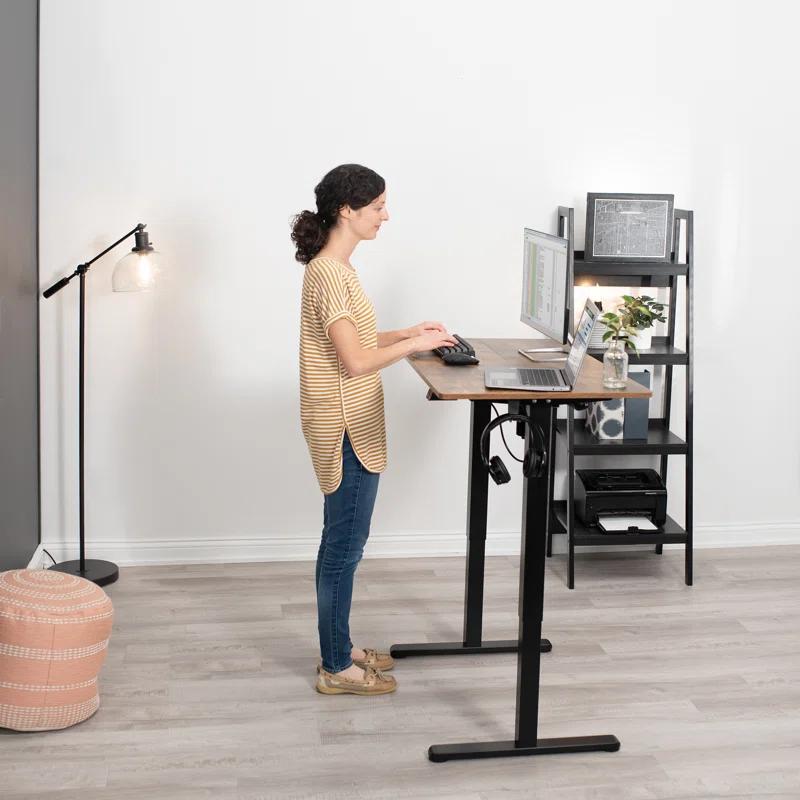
(571,495)
(689,487)
(666,399)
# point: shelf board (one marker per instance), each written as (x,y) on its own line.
(659,441)
(645,281)
(626,268)
(671,533)
(659,353)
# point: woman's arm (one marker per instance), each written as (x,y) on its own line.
(428,327)
(386,338)
(359,361)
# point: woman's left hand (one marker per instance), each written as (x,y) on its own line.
(425,327)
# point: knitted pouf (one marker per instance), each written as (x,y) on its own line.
(54,631)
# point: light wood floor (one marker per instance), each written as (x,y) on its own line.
(208,687)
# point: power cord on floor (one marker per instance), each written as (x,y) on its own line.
(51,557)
(504,438)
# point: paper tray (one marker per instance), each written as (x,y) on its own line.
(611,523)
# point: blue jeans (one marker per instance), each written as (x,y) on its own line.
(347,515)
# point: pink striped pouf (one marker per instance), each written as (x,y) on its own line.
(54,631)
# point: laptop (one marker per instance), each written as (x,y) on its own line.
(548,380)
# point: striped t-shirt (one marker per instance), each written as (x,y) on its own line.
(330,400)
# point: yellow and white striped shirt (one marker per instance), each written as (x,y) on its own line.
(330,400)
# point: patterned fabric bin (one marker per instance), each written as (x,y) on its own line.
(605,419)
(54,631)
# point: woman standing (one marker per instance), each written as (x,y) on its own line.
(341,406)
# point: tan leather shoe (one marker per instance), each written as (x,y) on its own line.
(374,658)
(374,682)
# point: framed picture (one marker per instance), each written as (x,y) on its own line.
(628,227)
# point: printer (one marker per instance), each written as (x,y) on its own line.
(620,492)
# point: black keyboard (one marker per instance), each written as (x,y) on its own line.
(463,346)
(539,377)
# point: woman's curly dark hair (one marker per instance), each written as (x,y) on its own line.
(347,184)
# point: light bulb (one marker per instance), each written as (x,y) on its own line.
(137,272)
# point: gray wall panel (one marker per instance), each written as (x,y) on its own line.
(19,281)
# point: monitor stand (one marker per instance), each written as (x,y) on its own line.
(531,354)
(532,351)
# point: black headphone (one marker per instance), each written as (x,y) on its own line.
(535,461)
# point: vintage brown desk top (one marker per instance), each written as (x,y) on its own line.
(466,382)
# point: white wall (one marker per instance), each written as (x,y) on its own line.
(212,122)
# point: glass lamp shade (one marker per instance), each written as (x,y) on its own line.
(136,272)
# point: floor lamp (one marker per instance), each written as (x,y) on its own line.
(136,272)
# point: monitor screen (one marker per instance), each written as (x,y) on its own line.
(544,285)
(580,343)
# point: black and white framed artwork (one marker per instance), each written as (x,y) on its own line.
(628,227)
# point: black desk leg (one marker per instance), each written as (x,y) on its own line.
(476,556)
(531,604)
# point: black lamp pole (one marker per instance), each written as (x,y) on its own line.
(100,572)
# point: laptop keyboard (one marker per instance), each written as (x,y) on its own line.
(539,377)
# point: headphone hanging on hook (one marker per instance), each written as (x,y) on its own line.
(535,462)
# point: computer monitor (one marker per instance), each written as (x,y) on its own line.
(545,288)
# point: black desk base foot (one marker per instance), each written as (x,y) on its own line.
(456,648)
(568,744)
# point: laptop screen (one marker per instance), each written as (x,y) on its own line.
(580,343)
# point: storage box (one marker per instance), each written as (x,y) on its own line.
(618,419)
(637,410)
(606,419)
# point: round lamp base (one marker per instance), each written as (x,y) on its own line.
(99,572)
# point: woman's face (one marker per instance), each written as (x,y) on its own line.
(365,222)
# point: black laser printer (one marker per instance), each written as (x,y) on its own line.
(620,492)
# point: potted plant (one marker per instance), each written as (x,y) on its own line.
(641,313)
(622,332)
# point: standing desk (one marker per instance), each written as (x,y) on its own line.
(466,383)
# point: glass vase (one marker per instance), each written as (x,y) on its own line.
(615,365)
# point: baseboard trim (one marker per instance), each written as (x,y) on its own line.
(408,544)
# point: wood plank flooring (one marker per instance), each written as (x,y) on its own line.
(208,687)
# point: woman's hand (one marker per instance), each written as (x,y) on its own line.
(431,339)
(425,327)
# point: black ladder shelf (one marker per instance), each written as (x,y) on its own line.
(661,440)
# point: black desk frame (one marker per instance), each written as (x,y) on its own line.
(529,645)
